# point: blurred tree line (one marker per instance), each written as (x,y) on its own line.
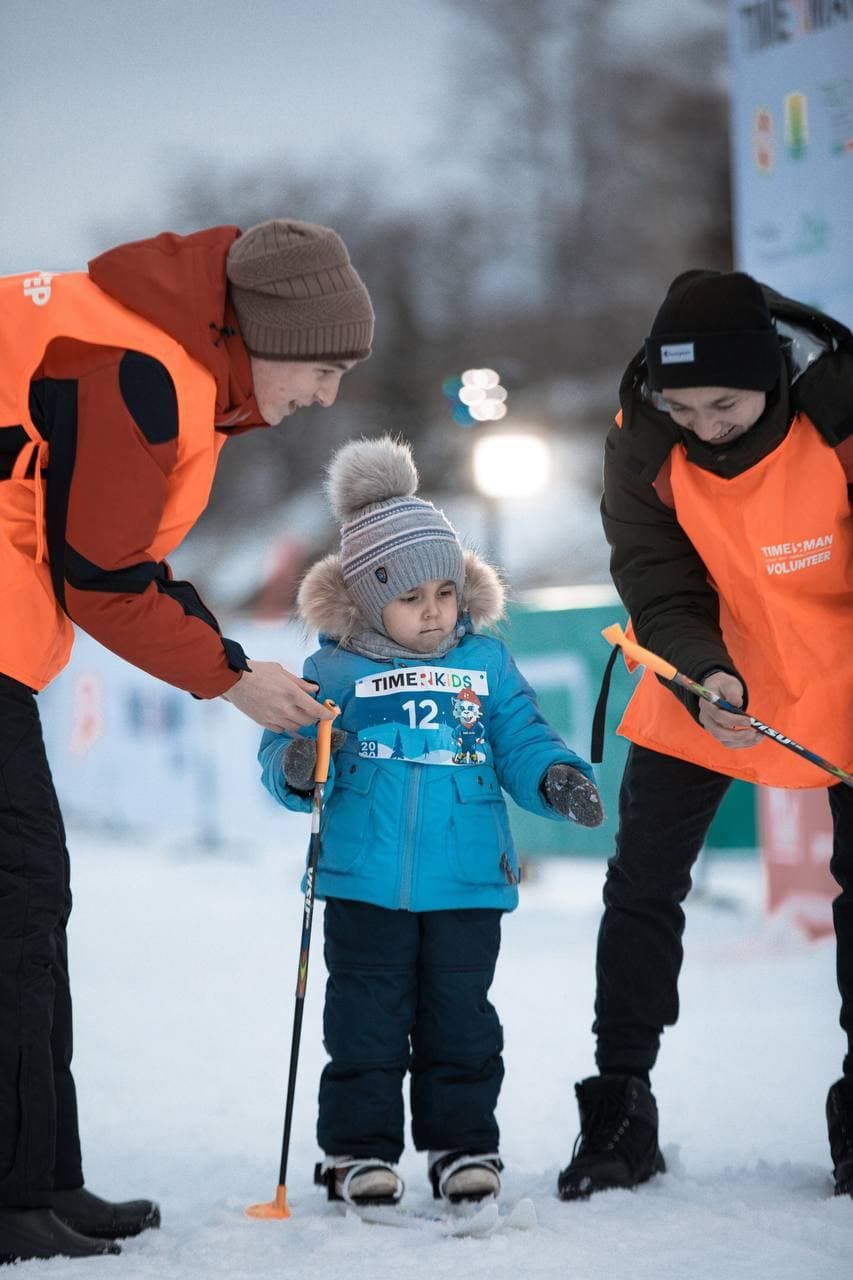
(591,169)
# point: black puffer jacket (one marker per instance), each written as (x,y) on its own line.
(658,572)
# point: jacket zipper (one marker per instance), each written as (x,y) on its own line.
(506,868)
(413,795)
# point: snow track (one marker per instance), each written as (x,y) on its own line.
(183,969)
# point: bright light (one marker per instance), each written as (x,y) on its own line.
(487,411)
(482,395)
(480,378)
(508,466)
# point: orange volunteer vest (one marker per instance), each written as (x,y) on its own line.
(35,635)
(778,545)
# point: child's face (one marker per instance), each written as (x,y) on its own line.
(421,618)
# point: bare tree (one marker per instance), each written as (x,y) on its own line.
(612,161)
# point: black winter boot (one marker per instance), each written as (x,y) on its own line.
(618,1142)
(82,1211)
(839,1120)
(38,1233)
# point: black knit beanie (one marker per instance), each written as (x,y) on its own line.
(713,330)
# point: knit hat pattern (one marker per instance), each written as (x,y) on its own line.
(391,540)
(713,329)
(297,295)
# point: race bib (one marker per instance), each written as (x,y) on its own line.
(424,715)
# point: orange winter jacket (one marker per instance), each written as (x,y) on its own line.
(117,391)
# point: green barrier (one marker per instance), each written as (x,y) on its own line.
(555,637)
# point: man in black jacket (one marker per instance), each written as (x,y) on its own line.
(727,509)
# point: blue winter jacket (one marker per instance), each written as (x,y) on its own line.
(414,818)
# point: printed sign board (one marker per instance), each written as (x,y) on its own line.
(792,147)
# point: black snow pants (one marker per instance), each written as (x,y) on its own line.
(666,806)
(39,1142)
(408,990)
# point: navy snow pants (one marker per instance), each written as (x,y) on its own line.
(39,1142)
(409,991)
(666,806)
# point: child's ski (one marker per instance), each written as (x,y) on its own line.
(484,1221)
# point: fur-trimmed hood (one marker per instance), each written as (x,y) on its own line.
(324,604)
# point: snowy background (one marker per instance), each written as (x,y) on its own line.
(184,971)
(479,159)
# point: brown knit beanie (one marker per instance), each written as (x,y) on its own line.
(297,295)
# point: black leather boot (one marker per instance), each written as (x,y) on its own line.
(839,1121)
(38,1233)
(618,1142)
(103,1219)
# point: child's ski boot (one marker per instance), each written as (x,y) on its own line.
(359,1181)
(464,1175)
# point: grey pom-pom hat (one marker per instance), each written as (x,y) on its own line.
(391,540)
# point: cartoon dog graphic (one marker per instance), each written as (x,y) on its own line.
(467,710)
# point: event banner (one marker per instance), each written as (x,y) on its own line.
(792,147)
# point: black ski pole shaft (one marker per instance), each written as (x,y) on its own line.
(278,1207)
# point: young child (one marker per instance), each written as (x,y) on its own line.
(417,860)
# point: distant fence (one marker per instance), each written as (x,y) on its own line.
(130,753)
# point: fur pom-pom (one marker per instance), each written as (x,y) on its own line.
(368,471)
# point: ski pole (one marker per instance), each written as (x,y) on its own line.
(616,636)
(278,1207)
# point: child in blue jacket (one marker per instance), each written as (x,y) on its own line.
(417,859)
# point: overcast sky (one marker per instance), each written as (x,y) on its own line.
(104,101)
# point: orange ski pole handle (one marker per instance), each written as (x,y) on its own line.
(278,1206)
(616,636)
(324,742)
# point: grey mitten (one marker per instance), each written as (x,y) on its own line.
(299,759)
(573,795)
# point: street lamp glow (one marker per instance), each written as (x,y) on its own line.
(512,465)
(487,410)
(480,378)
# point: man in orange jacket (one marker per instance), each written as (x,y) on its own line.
(727,509)
(119,388)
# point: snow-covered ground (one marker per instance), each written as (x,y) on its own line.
(184,971)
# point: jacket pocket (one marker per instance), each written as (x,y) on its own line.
(481,849)
(347,826)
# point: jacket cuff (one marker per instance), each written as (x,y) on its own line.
(237,664)
(234,655)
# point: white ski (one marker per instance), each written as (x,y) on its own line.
(522,1216)
(484,1221)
